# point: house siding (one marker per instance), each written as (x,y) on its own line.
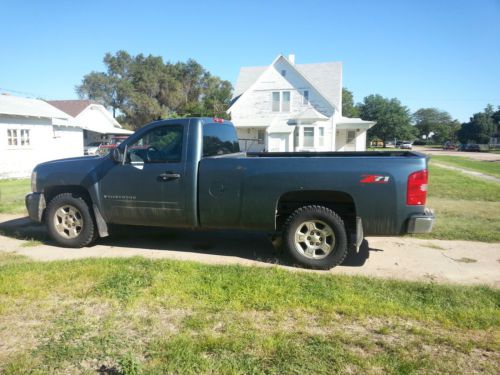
(47,142)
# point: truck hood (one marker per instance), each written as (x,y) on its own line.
(83,159)
(79,171)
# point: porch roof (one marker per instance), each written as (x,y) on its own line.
(310,114)
(350,123)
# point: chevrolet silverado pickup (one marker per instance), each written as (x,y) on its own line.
(190,173)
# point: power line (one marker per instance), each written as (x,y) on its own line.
(24,93)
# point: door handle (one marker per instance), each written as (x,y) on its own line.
(169,176)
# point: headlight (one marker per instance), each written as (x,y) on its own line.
(33,181)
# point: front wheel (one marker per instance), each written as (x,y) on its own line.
(69,221)
(315,237)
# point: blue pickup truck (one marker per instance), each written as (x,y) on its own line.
(190,173)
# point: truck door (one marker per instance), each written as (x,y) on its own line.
(147,189)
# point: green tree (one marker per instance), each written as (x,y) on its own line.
(144,88)
(435,124)
(480,127)
(348,107)
(393,118)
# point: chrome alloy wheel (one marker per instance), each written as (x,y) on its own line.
(314,239)
(68,221)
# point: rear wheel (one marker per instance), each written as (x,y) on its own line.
(69,221)
(315,237)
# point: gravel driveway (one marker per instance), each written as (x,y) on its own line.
(406,258)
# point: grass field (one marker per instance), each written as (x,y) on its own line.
(134,316)
(12,194)
(467,208)
(491,168)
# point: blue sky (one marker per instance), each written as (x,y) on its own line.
(443,54)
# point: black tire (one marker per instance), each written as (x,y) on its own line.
(337,240)
(87,232)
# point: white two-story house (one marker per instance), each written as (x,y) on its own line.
(294,107)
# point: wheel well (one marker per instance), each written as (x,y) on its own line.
(340,202)
(52,191)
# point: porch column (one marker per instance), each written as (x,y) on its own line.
(334,134)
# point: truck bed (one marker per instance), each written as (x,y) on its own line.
(305,154)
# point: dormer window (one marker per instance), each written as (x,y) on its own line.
(306,97)
(283,73)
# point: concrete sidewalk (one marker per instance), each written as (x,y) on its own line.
(407,258)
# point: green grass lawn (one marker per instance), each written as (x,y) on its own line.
(487,167)
(467,208)
(157,316)
(12,194)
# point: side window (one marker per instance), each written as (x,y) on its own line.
(159,145)
(219,139)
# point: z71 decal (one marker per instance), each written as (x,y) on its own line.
(374,179)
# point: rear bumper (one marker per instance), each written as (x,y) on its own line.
(421,223)
(35,204)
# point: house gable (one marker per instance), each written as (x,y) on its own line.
(255,103)
(324,78)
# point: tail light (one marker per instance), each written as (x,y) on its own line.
(416,191)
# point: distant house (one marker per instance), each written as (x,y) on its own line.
(96,121)
(294,107)
(31,132)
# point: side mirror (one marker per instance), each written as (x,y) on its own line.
(117,155)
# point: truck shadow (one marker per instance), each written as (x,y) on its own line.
(254,246)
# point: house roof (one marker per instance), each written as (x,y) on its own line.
(325,77)
(26,107)
(310,114)
(71,107)
(348,123)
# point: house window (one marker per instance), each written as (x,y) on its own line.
(276,101)
(281,101)
(283,73)
(351,135)
(261,133)
(308,136)
(306,97)
(12,137)
(18,137)
(321,136)
(25,137)
(285,107)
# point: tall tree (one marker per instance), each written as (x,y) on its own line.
(436,124)
(480,127)
(144,88)
(348,107)
(393,118)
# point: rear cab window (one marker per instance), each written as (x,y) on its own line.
(219,139)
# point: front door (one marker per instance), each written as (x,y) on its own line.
(147,189)
(278,142)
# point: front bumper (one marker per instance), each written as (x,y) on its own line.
(421,223)
(35,204)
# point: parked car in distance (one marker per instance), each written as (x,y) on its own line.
(449,146)
(405,145)
(470,147)
(91,148)
(105,149)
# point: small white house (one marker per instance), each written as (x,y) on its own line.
(95,120)
(294,107)
(31,132)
